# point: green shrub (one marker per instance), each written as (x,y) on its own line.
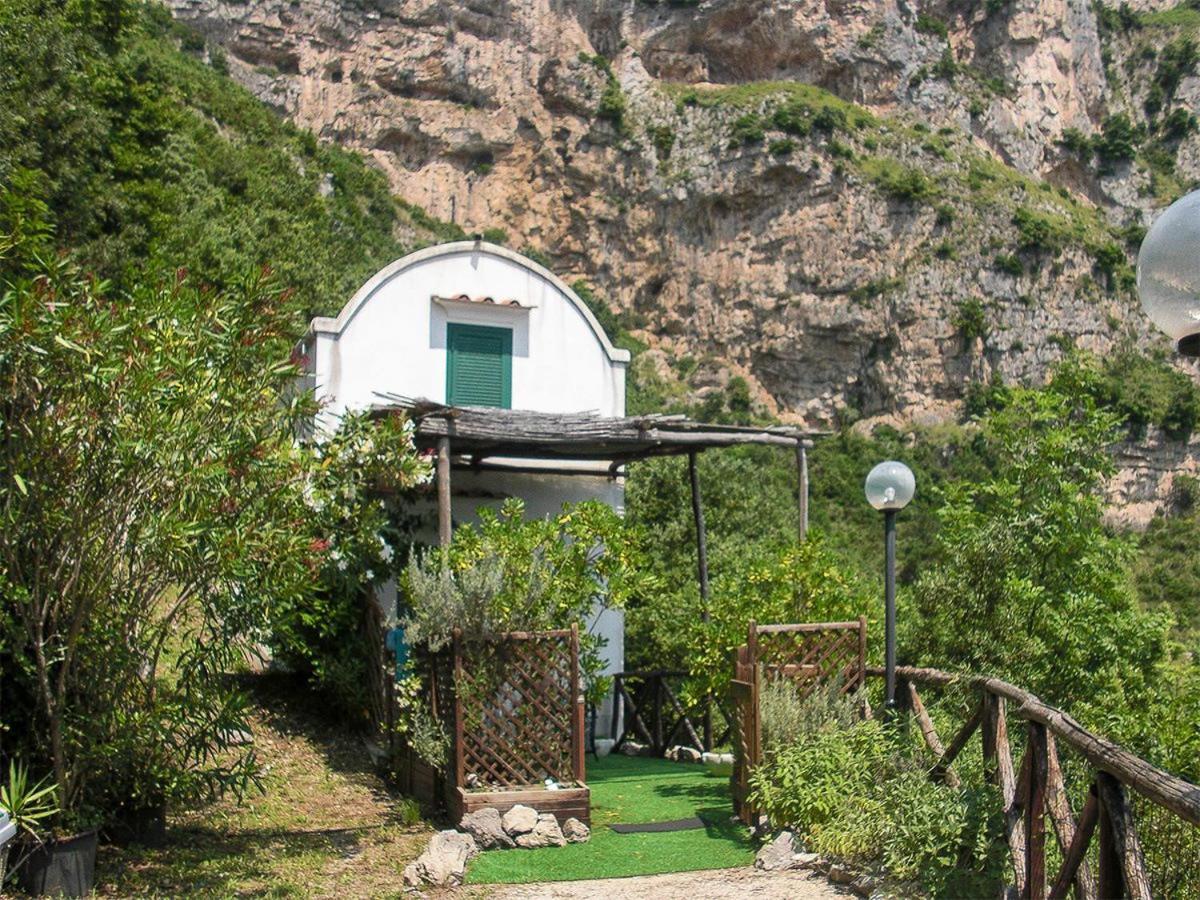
(1177,60)
(746,129)
(793,117)
(612,104)
(927,24)
(1009,264)
(1117,141)
(1178,125)
(662,137)
(945,215)
(970,320)
(782,147)
(1041,231)
(903,182)
(859,791)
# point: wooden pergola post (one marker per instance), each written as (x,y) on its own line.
(702,574)
(802,493)
(445,524)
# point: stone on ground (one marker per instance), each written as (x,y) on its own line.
(519,820)
(444,861)
(546,833)
(575,831)
(486,826)
(777,854)
(679,753)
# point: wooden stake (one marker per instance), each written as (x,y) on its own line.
(1122,870)
(1074,863)
(1035,813)
(445,524)
(701,573)
(1059,806)
(802,494)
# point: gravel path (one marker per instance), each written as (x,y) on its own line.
(718,884)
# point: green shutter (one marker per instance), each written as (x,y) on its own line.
(478,366)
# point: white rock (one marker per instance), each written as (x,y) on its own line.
(486,826)
(778,854)
(519,820)
(575,831)
(444,861)
(680,753)
(546,833)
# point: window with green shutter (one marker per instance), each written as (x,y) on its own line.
(478,366)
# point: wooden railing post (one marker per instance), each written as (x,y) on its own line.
(1035,813)
(1122,870)
(460,766)
(1074,867)
(1065,829)
(578,761)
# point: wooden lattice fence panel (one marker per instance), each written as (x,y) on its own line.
(812,655)
(518,717)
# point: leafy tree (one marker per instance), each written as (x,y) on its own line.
(1031,585)
(158,516)
(360,479)
(150,495)
(145,156)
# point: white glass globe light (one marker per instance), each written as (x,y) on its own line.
(890,485)
(1168,273)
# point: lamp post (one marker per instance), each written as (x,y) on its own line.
(1168,273)
(889,487)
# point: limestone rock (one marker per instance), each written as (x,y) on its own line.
(841,875)
(486,826)
(575,831)
(443,862)
(864,885)
(778,854)
(519,820)
(793,272)
(545,833)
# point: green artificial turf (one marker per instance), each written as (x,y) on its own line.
(633,789)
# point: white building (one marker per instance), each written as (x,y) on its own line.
(474,324)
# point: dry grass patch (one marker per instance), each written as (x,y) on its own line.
(325,824)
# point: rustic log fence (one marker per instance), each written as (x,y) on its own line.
(651,708)
(1141,846)
(512,707)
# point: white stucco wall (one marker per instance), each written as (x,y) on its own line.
(390,338)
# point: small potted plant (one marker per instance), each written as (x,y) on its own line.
(27,807)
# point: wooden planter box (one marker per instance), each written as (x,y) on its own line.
(565,803)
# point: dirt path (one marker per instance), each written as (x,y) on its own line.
(714,884)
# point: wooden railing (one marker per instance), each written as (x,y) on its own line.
(650,708)
(1037,790)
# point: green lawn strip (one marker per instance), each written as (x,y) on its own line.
(634,790)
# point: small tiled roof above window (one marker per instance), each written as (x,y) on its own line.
(484,301)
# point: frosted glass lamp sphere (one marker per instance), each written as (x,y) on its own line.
(1168,273)
(890,485)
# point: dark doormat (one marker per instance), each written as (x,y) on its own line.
(676,825)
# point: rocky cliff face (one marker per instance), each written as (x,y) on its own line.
(859,207)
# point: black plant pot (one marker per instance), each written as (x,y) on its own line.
(61,868)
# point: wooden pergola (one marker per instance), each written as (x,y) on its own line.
(524,441)
(501,439)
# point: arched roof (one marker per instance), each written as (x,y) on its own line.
(325,325)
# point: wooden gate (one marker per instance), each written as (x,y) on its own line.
(809,655)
